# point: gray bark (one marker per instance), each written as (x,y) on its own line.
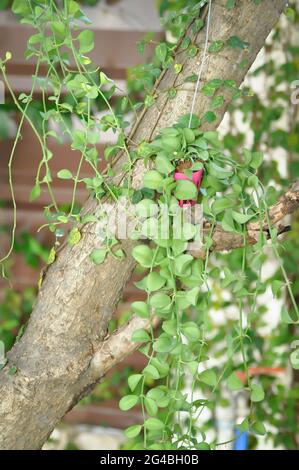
(56,356)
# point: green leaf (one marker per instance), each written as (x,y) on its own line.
(163,344)
(216,170)
(228,278)
(193,367)
(227,222)
(290,13)
(154,424)
(151,371)
(35,192)
(162,367)
(86,41)
(247,156)
(156,394)
(150,228)
(211,86)
(208,377)
(184,121)
(189,135)
(143,254)
(8,54)
(185,43)
(153,179)
(181,263)
(149,100)
(191,331)
(258,428)
(146,208)
(151,406)
(140,309)
(120,254)
(286,317)
(234,383)
(79,139)
(210,116)
(181,301)
(104,79)
(219,205)
(216,46)
(253,181)
(127,402)
(192,295)
(276,287)
(35,39)
(203,446)
(257,393)
(161,51)
(141,336)
(19,7)
(154,281)
(294,359)
(185,190)
(12,370)
(170,327)
(178,246)
(171,143)
(189,231)
(177,68)
(74,236)
(133,381)
(163,164)
(65,175)
(58,29)
(230,84)
(141,46)
(191,78)
(192,50)
(244,425)
(230,4)
(235,42)
(52,256)
(217,102)
(159,300)
(256,160)
(89,218)
(133,431)
(241,218)
(171,93)
(98,255)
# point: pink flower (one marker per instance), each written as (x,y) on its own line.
(196,179)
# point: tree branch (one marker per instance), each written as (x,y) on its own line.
(226,241)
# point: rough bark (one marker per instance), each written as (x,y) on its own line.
(56,357)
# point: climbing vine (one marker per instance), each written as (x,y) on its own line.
(188,168)
(179,288)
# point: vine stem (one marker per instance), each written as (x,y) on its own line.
(10,162)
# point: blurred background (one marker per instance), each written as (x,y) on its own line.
(263,117)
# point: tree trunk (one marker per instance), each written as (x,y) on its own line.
(57,359)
